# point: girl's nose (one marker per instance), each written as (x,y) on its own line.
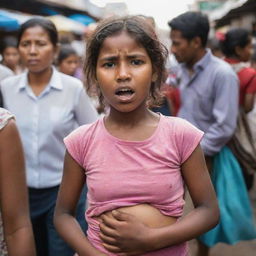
(123,73)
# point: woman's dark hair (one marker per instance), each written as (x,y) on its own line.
(191,25)
(139,29)
(233,38)
(44,23)
(65,52)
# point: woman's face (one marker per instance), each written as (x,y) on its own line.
(245,53)
(69,65)
(124,73)
(36,49)
(11,57)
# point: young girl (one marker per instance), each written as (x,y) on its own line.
(68,60)
(11,56)
(135,162)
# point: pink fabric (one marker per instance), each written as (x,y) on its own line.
(124,173)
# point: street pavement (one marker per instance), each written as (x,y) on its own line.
(245,248)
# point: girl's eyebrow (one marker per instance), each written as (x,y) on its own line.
(109,58)
(136,55)
(115,57)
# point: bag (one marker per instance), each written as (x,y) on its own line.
(236,215)
(242,144)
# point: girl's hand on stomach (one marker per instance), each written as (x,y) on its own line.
(131,230)
(124,233)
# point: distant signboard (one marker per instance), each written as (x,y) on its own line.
(209,6)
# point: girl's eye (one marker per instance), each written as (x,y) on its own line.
(137,62)
(108,65)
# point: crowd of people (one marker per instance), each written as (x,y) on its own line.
(98,151)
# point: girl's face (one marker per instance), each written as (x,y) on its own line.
(124,72)
(69,65)
(11,57)
(36,49)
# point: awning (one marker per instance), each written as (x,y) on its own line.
(84,19)
(232,10)
(64,24)
(8,23)
(20,17)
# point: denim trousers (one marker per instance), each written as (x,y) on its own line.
(42,203)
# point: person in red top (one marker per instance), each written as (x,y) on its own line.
(237,48)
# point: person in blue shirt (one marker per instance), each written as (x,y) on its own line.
(209,90)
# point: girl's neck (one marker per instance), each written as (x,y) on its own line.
(129,119)
(131,126)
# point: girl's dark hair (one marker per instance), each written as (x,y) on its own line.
(139,29)
(65,52)
(44,23)
(9,41)
(233,38)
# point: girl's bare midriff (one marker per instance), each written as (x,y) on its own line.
(147,214)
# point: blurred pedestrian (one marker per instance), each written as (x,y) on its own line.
(214,44)
(67,60)
(253,58)
(16,235)
(5,72)
(10,55)
(237,48)
(209,100)
(48,105)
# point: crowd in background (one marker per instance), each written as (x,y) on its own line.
(210,82)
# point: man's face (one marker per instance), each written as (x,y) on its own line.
(182,48)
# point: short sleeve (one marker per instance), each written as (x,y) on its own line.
(188,137)
(251,88)
(247,78)
(5,116)
(73,145)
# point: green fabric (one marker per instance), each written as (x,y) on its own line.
(236,217)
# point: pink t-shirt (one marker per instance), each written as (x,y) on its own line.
(124,173)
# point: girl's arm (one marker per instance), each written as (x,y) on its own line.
(64,215)
(13,192)
(128,235)
(205,215)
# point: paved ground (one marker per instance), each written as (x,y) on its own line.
(240,249)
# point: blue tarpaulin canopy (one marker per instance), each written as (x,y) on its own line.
(84,19)
(8,23)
